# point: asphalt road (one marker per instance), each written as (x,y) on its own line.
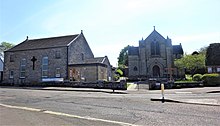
(68,106)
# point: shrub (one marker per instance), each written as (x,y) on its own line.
(188,77)
(120,72)
(116,77)
(211,79)
(197,77)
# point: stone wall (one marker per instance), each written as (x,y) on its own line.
(79,50)
(83,73)
(88,72)
(34,76)
(133,61)
(109,69)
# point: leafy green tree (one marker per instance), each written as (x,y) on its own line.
(5,46)
(123,57)
(119,71)
(203,50)
(192,62)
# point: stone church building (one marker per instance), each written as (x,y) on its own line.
(54,59)
(153,58)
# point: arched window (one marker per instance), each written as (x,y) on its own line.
(155,48)
(135,68)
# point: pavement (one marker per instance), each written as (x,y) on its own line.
(185,95)
(213,101)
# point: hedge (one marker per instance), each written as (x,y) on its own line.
(197,77)
(211,79)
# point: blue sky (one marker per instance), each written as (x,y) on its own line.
(110,25)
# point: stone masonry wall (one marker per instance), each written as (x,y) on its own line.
(79,50)
(35,76)
(133,61)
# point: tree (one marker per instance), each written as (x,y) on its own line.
(123,57)
(5,46)
(192,62)
(203,50)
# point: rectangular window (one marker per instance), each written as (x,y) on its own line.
(22,68)
(11,74)
(218,69)
(57,72)
(45,67)
(209,69)
(82,56)
(12,58)
(57,55)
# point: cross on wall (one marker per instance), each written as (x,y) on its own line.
(33,60)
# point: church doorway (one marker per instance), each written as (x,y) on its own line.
(156,71)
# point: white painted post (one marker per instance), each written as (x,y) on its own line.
(162,92)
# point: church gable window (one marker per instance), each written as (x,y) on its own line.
(82,56)
(57,55)
(12,58)
(155,48)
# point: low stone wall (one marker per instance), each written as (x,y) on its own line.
(188,84)
(122,85)
(174,85)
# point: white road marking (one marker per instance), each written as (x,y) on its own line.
(67,115)
(19,107)
(183,92)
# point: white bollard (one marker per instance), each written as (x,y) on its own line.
(162,92)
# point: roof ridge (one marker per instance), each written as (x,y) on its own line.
(42,43)
(53,37)
(99,57)
(154,31)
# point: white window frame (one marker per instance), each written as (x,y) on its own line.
(58,72)
(218,69)
(22,68)
(45,65)
(11,76)
(209,69)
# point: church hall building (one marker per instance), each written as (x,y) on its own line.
(153,58)
(54,59)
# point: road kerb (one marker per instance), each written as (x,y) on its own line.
(182,101)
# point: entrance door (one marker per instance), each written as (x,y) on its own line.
(156,71)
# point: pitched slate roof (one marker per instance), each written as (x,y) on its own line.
(44,43)
(154,33)
(133,51)
(177,49)
(95,60)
